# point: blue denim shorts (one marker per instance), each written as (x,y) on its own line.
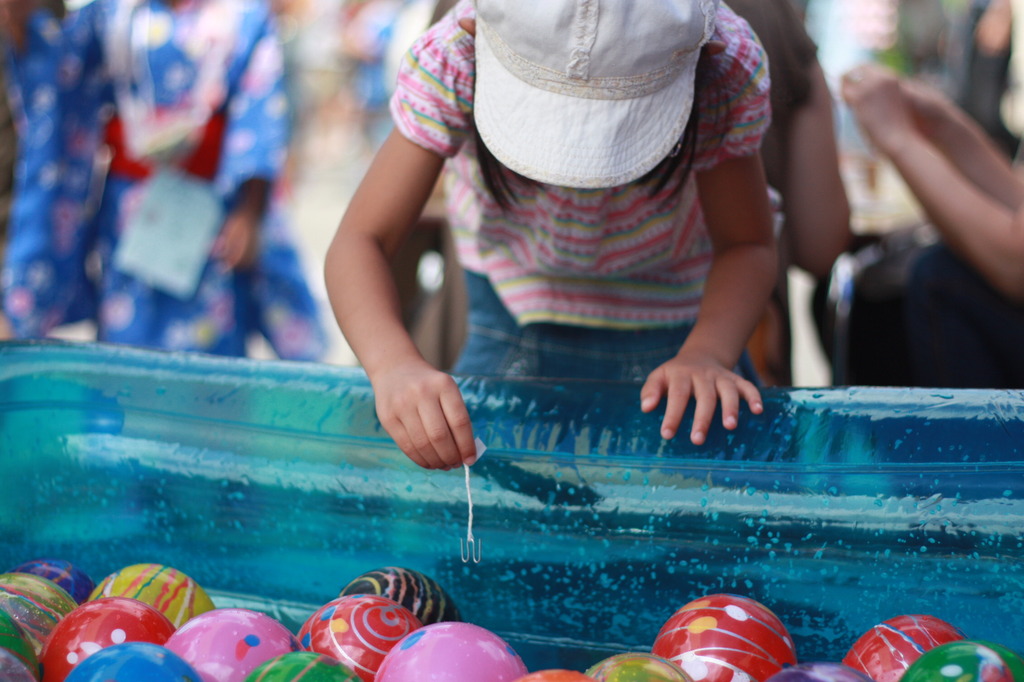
(498,346)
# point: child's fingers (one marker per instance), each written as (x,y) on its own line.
(227,248)
(436,441)
(675,405)
(422,446)
(404,442)
(406,428)
(237,244)
(457,417)
(227,255)
(652,391)
(706,399)
(729,397)
(752,396)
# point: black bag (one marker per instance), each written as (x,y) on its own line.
(860,309)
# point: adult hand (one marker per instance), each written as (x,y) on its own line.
(929,106)
(878,102)
(422,410)
(707,382)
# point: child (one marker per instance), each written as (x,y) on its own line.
(594,216)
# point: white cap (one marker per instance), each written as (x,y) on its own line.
(585,93)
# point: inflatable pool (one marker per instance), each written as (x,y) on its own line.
(273,485)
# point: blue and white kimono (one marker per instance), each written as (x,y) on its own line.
(164,72)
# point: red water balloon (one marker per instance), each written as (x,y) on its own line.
(725,637)
(885,651)
(96,625)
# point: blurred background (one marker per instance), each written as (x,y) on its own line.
(342,56)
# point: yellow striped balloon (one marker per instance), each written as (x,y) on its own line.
(170,591)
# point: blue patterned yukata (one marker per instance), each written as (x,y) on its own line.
(200,80)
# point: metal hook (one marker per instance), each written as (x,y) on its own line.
(471,549)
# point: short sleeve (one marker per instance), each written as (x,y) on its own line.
(433,100)
(735,106)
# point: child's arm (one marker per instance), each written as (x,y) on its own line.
(734,198)
(420,407)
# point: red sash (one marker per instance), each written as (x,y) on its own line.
(202,163)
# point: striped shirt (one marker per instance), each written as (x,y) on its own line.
(617,258)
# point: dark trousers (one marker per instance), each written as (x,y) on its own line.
(961,332)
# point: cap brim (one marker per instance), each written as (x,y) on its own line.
(572,141)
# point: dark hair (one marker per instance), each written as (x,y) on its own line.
(496,176)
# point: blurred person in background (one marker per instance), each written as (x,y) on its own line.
(985,70)
(923,38)
(8,147)
(366,38)
(801,160)
(964,309)
(8,155)
(152,136)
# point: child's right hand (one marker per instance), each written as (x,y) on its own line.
(423,411)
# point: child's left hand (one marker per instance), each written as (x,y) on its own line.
(706,381)
(237,244)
